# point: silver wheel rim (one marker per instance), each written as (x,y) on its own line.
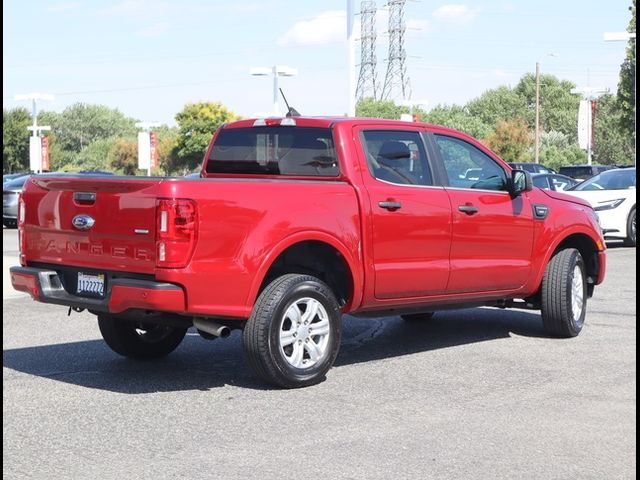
(304,333)
(577,293)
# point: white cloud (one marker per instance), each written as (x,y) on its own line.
(327,27)
(154,30)
(136,9)
(455,14)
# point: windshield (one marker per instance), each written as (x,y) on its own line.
(274,150)
(610,180)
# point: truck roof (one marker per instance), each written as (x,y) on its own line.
(326,122)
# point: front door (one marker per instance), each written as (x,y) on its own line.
(492,236)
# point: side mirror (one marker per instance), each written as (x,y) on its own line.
(520,182)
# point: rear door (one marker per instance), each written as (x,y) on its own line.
(492,233)
(410,215)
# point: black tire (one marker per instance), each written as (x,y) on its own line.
(418,317)
(630,241)
(140,341)
(262,333)
(558,291)
(10,223)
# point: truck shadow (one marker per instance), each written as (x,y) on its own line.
(202,365)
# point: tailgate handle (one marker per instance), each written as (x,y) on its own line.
(84,198)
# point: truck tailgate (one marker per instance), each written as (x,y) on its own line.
(99,223)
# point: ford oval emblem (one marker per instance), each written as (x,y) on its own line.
(83,222)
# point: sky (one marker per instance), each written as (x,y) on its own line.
(148,58)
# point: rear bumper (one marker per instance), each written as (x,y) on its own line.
(124,294)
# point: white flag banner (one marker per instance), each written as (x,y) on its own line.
(144,150)
(584,124)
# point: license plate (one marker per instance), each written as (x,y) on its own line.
(91,284)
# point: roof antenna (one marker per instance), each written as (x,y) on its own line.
(291,112)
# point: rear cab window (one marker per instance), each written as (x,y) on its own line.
(274,150)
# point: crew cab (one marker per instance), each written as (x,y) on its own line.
(296,221)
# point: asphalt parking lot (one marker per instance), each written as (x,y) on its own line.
(476,393)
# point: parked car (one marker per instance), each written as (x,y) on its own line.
(613,195)
(11,176)
(11,191)
(299,221)
(582,172)
(553,181)
(531,167)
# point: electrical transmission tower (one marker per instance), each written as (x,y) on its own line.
(367,80)
(396,80)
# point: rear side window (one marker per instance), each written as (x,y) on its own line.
(274,150)
(396,156)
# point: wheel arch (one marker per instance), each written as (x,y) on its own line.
(589,250)
(317,254)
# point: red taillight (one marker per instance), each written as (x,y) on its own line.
(176,234)
(22,243)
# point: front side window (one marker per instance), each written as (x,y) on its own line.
(396,156)
(469,167)
(274,150)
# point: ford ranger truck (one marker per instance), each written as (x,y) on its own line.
(296,221)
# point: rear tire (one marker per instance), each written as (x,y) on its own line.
(418,317)
(630,241)
(293,335)
(564,294)
(140,341)
(10,223)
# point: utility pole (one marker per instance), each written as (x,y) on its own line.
(35,142)
(537,140)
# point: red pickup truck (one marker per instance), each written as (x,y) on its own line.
(296,221)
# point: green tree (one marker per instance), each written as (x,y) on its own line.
(612,143)
(502,103)
(510,140)
(558,106)
(196,124)
(459,118)
(92,157)
(81,124)
(369,107)
(15,140)
(627,85)
(555,156)
(123,156)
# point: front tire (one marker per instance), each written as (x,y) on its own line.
(630,241)
(293,335)
(564,294)
(139,340)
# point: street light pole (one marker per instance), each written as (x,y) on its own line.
(351,46)
(537,139)
(35,143)
(276,71)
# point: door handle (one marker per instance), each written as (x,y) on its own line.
(391,206)
(468,209)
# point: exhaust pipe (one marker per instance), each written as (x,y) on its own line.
(211,327)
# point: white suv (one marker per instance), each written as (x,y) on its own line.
(613,195)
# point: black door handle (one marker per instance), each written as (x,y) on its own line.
(468,209)
(391,206)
